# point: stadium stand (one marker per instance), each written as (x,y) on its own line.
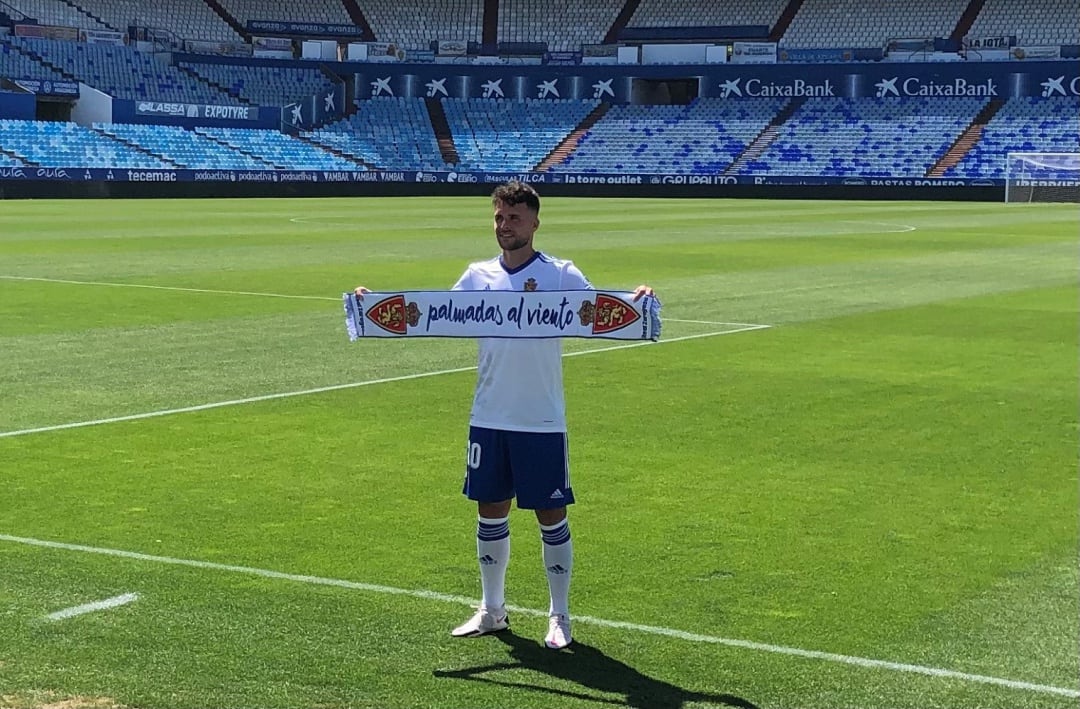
(182,147)
(61,14)
(891,136)
(857,23)
(1023,125)
(120,71)
(263,85)
(1038,22)
(277,149)
(56,144)
(510,135)
(704,137)
(18,65)
(186,19)
(692,13)
(327,12)
(867,137)
(563,24)
(385,132)
(417,24)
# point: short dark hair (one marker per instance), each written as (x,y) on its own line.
(514,192)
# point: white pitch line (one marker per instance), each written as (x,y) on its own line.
(748,325)
(231,402)
(172,288)
(85,608)
(634,627)
(339,387)
(252,293)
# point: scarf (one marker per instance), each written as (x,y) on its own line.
(506,314)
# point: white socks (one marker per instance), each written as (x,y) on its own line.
(493,553)
(559,562)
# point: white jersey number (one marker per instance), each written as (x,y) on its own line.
(472,455)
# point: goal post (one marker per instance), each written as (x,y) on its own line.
(1042,177)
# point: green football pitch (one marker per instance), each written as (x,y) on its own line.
(846,476)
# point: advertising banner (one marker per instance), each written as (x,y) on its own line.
(753,53)
(599,50)
(1044,52)
(225,49)
(562,58)
(196,110)
(101,37)
(452,48)
(69,34)
(384,51)
(614,83)
(303,29)
(1002,42)
(483,178)
(46,87)
(272,47)
(317,109)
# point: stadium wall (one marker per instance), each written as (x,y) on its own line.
(17,106)
(145,186)
(614,83)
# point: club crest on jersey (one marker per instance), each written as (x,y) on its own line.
(394,315)
(530,285)
(607,314)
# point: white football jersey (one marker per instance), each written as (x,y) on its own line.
(519,382)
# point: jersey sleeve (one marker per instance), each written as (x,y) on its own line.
(465,282)
(574,279)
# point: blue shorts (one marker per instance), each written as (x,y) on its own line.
(533,467)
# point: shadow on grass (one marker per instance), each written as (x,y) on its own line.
(590,668)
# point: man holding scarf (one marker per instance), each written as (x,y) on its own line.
(517,435)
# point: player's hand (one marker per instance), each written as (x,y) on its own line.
(642,291)
(360,291)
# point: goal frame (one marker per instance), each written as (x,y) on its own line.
(1036,186)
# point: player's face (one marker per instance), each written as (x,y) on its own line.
(515,225)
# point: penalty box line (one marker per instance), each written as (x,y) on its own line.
(864,662)
(735,328)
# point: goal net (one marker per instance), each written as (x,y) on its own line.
(1042,177)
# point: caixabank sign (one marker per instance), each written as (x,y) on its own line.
(615,84)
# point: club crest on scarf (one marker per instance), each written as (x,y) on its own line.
(607,314)
(394,315)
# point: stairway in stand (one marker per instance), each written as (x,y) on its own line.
(784,21)
(621,21)
(489,33)
(443,135)
(966,140)
(765,138)
(358,18)
(569,144)
(234,23)
(967,19)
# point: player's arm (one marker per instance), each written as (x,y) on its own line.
(463,283)
(577,280)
